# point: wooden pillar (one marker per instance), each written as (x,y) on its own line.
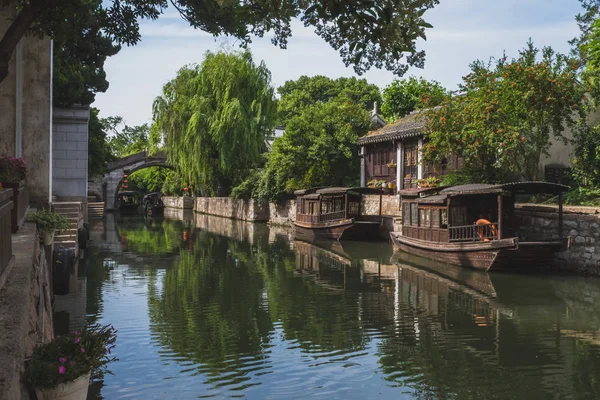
(380,203)
(500,216)
(346,205)
(560,216)
(448,213)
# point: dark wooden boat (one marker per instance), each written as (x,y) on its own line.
(436,225)
(128,201)
(153,204)
(335,213)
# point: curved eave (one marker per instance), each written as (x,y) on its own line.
(390,136)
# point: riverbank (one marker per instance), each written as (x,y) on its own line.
(539,222)
(25,310)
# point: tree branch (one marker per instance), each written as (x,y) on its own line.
(17,29)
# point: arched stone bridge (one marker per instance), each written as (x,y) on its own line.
(127,165)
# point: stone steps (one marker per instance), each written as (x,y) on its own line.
(96,210)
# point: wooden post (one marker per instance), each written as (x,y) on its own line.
(380,203)
(560,216)
(500,216)
(319,210)
(346,206)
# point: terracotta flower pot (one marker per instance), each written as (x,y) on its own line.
(48,238)
(74,390)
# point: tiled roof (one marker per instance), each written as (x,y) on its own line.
(409,126)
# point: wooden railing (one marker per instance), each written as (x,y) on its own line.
(315,219)
(438,235)
(6,206)
(473,233)
(20,199)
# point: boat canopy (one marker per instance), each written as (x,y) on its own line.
(514,187)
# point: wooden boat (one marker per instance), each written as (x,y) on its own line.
(153,204)
(456,225)
(335,213)
(128,201)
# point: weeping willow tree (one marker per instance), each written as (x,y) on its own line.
(213,118)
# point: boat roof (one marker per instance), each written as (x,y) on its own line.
(128,192)
(415,192)
(316,192)
(531,187)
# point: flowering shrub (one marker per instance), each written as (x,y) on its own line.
(12,169)
(69,357)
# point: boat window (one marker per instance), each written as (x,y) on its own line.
(414,214)
(353,208)
(444,218)
(406,213)
(459,216)
(424,214)
(435,218)
(311,208)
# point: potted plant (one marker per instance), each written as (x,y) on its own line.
(13,175)
(47,222)
(429,182)
(391,164)
(62,368)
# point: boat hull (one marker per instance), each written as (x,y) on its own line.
(344,230)
(322,231)
(504,254)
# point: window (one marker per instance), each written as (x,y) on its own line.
(444,218)
(459,216)
(414,214)
(406,213)
(424,214)
(435,218)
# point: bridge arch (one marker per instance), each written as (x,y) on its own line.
(127,165)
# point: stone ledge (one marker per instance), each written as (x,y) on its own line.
(25,315)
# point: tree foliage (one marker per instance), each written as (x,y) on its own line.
(79,59)
(366,33)
(306,91)
(401,97)
(99,150)
(318,149)
(503,123)
(213,119)
(126,140)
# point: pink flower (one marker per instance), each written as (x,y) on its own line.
(61,370)
(77,340)
(82,350)
(62,360)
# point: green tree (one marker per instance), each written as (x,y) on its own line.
(78,72)
(366,33)
(128,139)
(306,91)
(503,123)
(213,119)
(318,149)
(148,180)
(99,150)
(401,97)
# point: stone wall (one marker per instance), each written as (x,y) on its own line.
(389,205)
(26,107)
(185,202)
(95,187)
(25,310)
(70,152)
(246,210)
(283,213)
(583,254)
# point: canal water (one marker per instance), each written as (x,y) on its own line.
(211,308)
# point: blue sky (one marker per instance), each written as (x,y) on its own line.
(463,31)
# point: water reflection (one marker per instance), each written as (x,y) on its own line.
(212,307)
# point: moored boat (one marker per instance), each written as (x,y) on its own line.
(475,226)
(153,204)
(128,201)
(335,213)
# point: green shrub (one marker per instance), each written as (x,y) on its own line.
(49,221)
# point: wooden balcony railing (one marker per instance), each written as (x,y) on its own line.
(315,219)
(473,233)
(6,206)
(20,199)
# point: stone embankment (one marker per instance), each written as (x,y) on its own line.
(580,224)
(25,310)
